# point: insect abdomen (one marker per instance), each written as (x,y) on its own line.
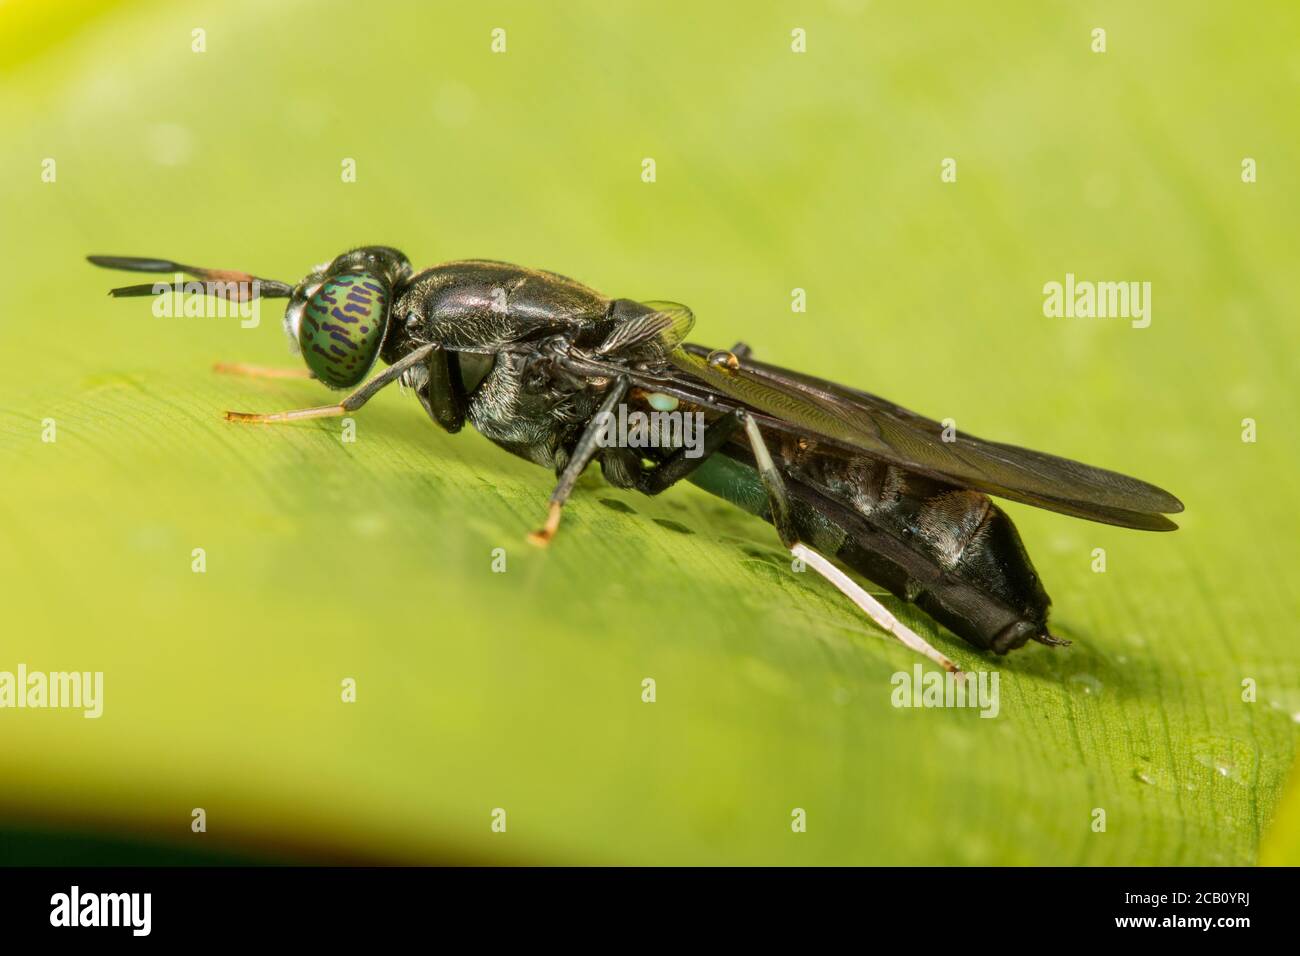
(953,553)
(975,576)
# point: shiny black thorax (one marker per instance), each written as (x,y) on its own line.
(503,326)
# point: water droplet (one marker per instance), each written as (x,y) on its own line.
(1286,700)
(1225,757)
(722,359)
(1087,683)
(1155,775)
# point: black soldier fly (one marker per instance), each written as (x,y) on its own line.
(537,362)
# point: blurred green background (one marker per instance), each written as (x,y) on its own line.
(775,171)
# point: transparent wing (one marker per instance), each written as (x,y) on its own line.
(811,407)
(651,336)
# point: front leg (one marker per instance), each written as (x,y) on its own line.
(350,403)
(443,391)
(585,450)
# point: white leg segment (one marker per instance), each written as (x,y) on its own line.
(873,608)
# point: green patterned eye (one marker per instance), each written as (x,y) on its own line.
(342,327)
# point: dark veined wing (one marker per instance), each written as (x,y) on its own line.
(803,405)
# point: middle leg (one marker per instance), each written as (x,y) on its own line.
(585,450)
(679,465)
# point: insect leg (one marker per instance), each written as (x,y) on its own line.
(678,466)
(741,351)
(260,371)
(773,484)
(582,455)
(351,403)
(779,503)
(443,395)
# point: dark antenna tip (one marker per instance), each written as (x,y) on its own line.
(218,282)
(138,264)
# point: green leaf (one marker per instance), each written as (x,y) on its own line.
(1175,709)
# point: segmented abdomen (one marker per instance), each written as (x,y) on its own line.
(951,552)
(967,542)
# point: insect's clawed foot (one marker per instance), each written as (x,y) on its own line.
(261,371)
(543,535)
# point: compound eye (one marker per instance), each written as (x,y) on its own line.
(342,328)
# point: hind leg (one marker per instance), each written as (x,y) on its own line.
(779,504)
